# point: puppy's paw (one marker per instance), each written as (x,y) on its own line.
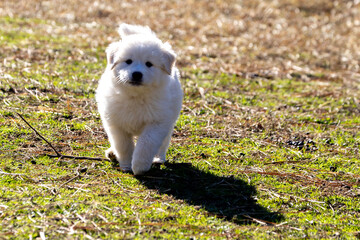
(139,169)
(158,160)
(126,169)
(109,153)
(124,166)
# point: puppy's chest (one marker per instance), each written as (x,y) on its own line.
(133,115)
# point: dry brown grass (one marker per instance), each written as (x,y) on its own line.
(266,38)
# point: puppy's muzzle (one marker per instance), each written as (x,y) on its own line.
(136,78)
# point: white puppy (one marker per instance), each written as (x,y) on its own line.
(139,94)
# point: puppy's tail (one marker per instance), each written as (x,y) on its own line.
(128,29)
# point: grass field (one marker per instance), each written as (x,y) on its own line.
(266,147)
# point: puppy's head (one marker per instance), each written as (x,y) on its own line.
(140,58)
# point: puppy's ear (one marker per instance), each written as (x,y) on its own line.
(127,29)
(110,52)
(168,58)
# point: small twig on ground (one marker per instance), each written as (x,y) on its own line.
(59,155)
(12,174)
(80,157)
(56,192)
(262,222)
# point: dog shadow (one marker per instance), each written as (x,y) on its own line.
(225,197)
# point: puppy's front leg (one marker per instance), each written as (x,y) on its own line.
(122,147)
(147,146)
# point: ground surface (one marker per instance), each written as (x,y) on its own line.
(267,144)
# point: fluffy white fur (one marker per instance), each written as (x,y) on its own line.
(146,107)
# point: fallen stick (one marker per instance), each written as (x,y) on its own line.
(58,154)
(79,157)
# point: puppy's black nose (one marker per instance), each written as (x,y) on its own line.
(136,77)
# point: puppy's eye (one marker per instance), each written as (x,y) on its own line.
(129,61)
(149,64)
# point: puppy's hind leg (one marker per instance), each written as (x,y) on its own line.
(122,148)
